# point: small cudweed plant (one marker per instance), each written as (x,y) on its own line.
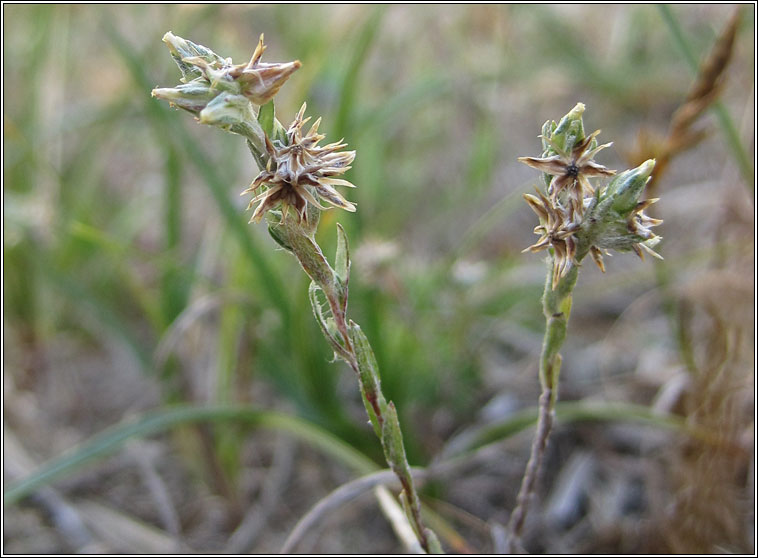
(297,175)
(576,218)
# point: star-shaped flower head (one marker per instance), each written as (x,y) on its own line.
(556,230)
(571,168)
(584,220)
(301,172)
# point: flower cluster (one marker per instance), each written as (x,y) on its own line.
(577,219)
(300,171)
(217,91)
(297,171)
(556,229)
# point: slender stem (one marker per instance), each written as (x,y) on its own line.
(311,258)
(533,466)
(556,305)
(406,480)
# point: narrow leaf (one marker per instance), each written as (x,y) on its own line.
(324,324)
(369,375)
(266,118)
(392,440)
(110,440)
(342,260)
(276,233)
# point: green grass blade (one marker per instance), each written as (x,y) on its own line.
(119,251)
(349,86)
(75,291)
(107,442)
(569,412)
(175,282)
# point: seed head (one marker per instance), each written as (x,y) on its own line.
(301,172)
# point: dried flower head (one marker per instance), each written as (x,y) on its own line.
(557,230)
(571,169)
(301,172)
(587,221)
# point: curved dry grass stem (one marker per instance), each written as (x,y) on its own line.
(336,499)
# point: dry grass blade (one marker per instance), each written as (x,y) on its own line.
(256,518)
(705,90)
(337,498)
(145,456)
(124,533)
(710,79)
(189,316)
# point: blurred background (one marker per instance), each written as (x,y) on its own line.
(165,386)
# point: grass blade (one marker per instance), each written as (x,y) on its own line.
(570,412)
(109,441)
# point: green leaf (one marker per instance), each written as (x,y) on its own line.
(182,48)
(327,326)
(107,442)
(279,132)
(392,440)
(626,188)
(369,375)
(406,503)
(342,260)
(266,118)
(227,110)
(276,233)
(570,129)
